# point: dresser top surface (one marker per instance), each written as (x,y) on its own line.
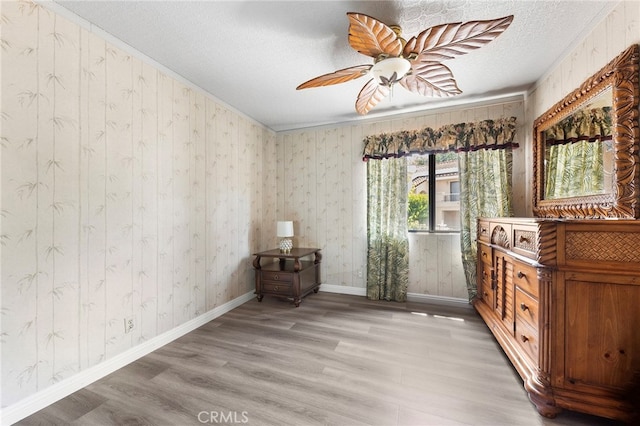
(537,220)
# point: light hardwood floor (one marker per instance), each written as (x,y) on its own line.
(335,360)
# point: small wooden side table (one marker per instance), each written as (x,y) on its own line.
(291,276)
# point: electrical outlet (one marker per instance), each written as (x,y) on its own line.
(128,324)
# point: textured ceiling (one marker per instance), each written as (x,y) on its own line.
(253,54)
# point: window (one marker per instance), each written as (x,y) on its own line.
(454,191)
(434,204)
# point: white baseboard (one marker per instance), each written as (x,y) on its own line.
(439,300)
(29,405)
(411,297)
(342,289)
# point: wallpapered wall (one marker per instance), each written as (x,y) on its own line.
(609,37)
(125,193)
(606,40)
(321,183)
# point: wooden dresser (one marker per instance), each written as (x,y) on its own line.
(562,298)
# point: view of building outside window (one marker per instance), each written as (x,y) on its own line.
(447,192)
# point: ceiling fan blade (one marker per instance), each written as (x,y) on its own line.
(431,79)
(370,95)
(446,41)
(340,76)
(371,37)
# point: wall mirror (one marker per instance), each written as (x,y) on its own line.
(585,151)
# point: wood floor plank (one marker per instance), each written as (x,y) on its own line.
(435,401)
(334,360)
(266,398)
(221,397)
(382,369)
(68,409)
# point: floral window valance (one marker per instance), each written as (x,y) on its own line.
(584,125)
(487,134)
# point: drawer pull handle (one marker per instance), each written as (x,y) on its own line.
(524,338)
(523,307)
(523,239)
(486,294)
(483,230)
(484,254)
(276,288)
(275,277)
(520,274)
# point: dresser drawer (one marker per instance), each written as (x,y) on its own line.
(524,240)
(281,276)
(275,287)
(483,231)
(527,338)
(485,254)
(526,277)
(486,292)
(485,274)
(526,308)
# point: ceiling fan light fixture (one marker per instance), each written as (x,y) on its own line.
(389,71)
(414,63)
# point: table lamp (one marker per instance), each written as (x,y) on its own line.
(285,232)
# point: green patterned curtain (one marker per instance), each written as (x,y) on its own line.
(487,134)
(574,169)
(587,124)
(485,162)
(485,191)
(574,153)
(387,234)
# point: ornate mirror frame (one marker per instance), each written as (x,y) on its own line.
(621,74)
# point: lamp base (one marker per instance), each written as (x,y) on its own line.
(285,245)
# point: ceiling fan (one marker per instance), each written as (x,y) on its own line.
(415,64)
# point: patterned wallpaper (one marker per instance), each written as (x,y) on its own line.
(321,186)
(607,39)
(125,194)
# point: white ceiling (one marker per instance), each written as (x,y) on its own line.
(253,54)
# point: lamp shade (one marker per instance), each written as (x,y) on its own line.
(390,71)
(285,229)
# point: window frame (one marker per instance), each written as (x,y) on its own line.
(431,193)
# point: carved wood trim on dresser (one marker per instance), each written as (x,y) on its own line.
(561,297)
